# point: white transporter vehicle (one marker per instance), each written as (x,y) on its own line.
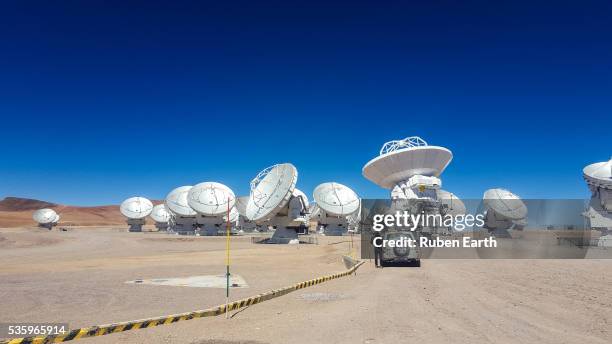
(212,201)
(335,204)
(46,218)
(598,177)
(183,219)
(503,211)
(275,200)
(161,216)
(410,168)
(136,209)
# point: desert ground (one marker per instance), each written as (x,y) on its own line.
(78,277)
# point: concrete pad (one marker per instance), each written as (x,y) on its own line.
(206,281)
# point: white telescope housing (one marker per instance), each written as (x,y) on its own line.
(274,198)
(335,204)
(503,211)
(183,220)
(598,177)
(411,169)
(212,201)
(46,218)
(161,216)
(451,205)
(136,209)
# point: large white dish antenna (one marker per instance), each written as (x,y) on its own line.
(336,199)
(599,174)
(454,205)
(45,216)
(211,199)
(136,208)
(505,204)
(270,191)
(176,201)
(402,159)
(160,214)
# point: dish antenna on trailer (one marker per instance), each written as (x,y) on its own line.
(211,201)
(598,177)
(183,220)
(274,198)
(503,211)
(136,209)
(161,216)
(411,169)
(46,218)
(335,203)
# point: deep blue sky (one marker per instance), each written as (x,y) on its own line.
(101,101)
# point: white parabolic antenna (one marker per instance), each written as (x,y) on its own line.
(401,159)
(45,216)
(454,205)
(136,208)
(336,199)
(211,199)
(270,191)
(505,204)
(176,201)
(599,174)
(160,214)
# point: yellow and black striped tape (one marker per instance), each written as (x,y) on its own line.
(102,330)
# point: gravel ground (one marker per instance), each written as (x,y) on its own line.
(79,277)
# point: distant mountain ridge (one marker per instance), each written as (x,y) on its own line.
(17,212)
(19,204)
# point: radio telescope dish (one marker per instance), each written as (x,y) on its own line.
(599,179)
(211,199)
(45,216)
(160,214)
(505,204)
(176,201)
(336,199)
(401,159)
(136,208)
(452,203)
(270,191)
(599,174)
